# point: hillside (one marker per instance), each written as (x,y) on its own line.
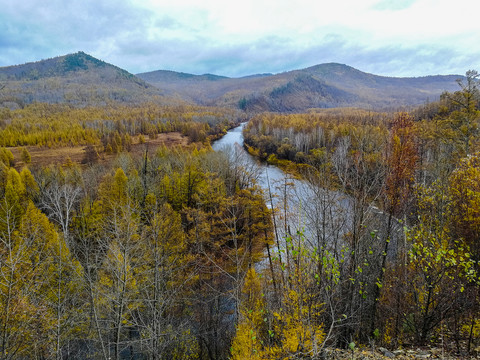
(207,89)
(77,79)
(80,79)
(320,86)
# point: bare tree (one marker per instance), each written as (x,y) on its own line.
(59,200)
(362,181)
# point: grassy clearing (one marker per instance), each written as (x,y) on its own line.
(44,156)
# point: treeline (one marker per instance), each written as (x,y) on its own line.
(387,248)
(303,138)
(47,125)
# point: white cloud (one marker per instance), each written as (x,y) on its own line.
(241,37)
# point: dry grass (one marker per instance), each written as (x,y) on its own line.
(47,156)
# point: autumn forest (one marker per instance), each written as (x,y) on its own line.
(136,240)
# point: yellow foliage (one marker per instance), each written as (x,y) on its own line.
(473,327)
(6,157)
(295,328)
(38,274)
(31,187)
(298,324)
(187,348)
(246,344)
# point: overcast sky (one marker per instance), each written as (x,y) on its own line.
(237,38)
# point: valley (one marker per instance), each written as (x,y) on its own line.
(342,214)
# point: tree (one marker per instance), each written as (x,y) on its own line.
(58,200)
(361,175)
(114,289)
(465,117)
(439,271)
(91,155)
(464,186)
(31,186)
(113,191)
(25,156)
(163,281)
(14,199)
(435,286)
(289,327)
(39,279)
(401,161)
(6,157)
(252,336)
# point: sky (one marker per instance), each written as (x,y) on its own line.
(239,38)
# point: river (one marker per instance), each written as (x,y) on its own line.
(323,216)
(268,174)
(300,207)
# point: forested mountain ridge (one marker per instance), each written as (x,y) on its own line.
(76,79)
(58,66)
(321,86)
(79,79)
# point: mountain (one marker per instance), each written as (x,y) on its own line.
(77,79)
(320,86)
(80,79)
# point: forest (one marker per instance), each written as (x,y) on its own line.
(175,252)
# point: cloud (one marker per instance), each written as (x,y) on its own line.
(56,26)
(398,38)
(393,4)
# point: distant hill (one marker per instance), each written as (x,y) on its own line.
(77,79)
(80,79)
(320,86)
